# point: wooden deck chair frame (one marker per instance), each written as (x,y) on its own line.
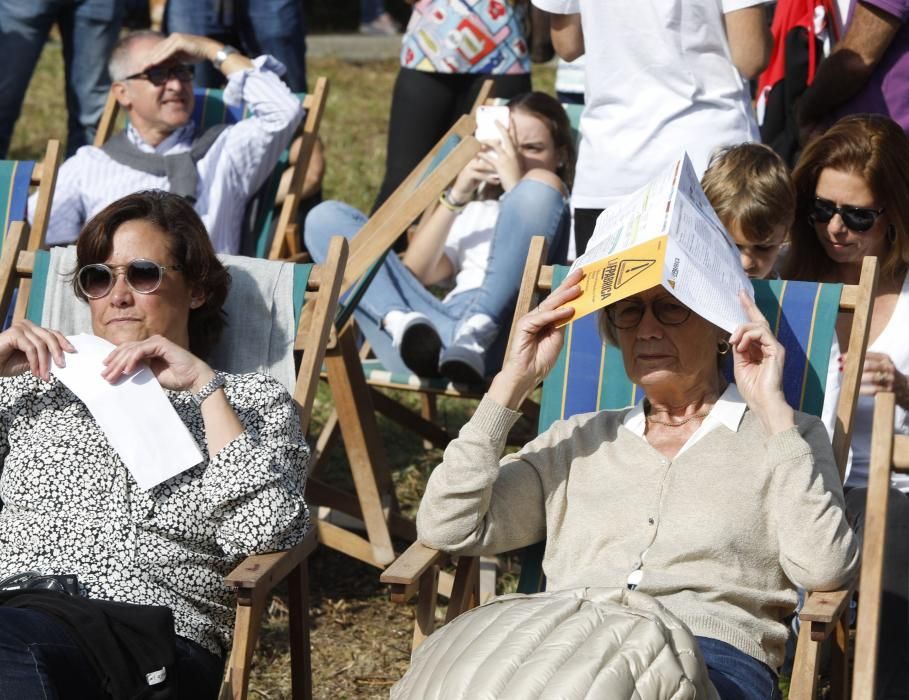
(257,576)
(418,570)
(374,502)
(889,453)
(20,236)
(285,241)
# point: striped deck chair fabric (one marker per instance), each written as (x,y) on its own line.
(590,376)
(211,110)
(15,178)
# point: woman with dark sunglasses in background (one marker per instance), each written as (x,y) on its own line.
(68,505)
(852,188)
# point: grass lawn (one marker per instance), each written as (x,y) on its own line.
(360,640)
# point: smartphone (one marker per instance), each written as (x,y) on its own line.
(487,117)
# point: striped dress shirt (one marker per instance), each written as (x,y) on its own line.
(233,169)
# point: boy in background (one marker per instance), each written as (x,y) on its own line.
(750,188)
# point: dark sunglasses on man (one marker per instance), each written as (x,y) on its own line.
(142,276)
(858,219)
(159,75)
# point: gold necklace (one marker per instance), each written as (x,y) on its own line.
(669,424)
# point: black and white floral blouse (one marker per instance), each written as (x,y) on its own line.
(70,506)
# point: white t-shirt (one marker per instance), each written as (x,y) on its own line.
(892,342)
(468,244)
(659,79)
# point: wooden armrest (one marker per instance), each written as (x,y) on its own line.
(260,573)
(403,574)
(822,610)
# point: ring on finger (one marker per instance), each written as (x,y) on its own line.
(879,377)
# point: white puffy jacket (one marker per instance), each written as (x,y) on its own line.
(604,643)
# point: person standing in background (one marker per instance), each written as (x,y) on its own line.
(375,20)
(661,77)
(449,49)
(273,27)
(867,72)
(88,30)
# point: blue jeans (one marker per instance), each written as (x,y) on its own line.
(275,27)
(735,674)
(370,10)
(39,659)
(89,29)
(530,209)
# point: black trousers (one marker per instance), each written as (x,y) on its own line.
(423,107)
(584,222)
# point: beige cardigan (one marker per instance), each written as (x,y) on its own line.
(723,534)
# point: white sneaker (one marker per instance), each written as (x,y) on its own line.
(415,337)
(463,362)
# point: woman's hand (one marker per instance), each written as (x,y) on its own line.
(506,162)
(758,361)
(476,172)
(880,374)
(175,367)
(535,345)
(25,346)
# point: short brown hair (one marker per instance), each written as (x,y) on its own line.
(875,148)
(190,247)
(750,185)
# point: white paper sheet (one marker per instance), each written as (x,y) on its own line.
(134,414)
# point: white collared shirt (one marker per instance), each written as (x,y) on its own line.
(728,411)
(233,169)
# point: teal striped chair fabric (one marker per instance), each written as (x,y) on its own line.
(15,179)
(589,376)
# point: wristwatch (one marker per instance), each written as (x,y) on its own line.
(222,55)
(213,385)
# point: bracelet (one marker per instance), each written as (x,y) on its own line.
(446,201)
(215,383)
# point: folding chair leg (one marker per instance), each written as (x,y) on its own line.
(430,411)
(300,651)
(324,444)
(365,450)
(427,595)
(246,633)
(839,660)
(804,671)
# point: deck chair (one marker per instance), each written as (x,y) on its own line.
(889,452)
(17,178)
(316,288)
(803,316)
(273,210)
(374,503)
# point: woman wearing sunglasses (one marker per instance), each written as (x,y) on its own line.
(659,498)
(155,290)
(852,188)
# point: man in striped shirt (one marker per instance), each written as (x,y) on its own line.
(218,171)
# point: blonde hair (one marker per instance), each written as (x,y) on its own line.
(875,148)
(750,185)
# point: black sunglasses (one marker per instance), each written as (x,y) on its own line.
(628,313)
(858,219)
(142,276)
(159,75)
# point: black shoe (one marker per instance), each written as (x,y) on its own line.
(420,350)
(461,373)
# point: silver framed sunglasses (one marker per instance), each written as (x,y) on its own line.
(142,276)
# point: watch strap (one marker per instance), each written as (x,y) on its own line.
(222,55)
(215,383)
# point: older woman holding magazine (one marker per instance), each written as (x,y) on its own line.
(718,500)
